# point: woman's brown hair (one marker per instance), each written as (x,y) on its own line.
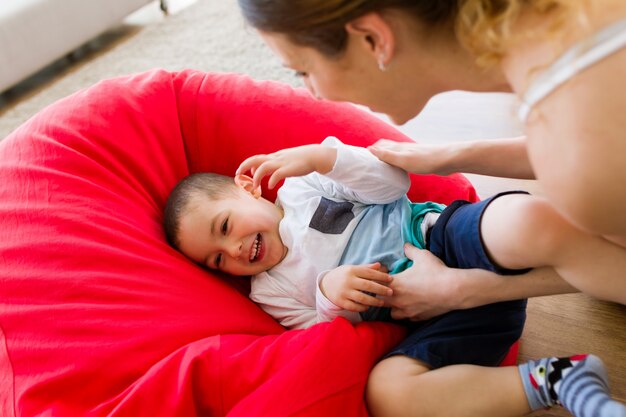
(320,24)
(482,26)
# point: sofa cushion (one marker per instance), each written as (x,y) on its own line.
(34,33)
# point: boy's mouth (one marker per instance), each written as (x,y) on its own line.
(255,249)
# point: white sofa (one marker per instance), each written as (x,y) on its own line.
(34,33)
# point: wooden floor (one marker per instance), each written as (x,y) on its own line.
(574,323)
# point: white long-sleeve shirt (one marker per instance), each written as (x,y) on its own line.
(321,212)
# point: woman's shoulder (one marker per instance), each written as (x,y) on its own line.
(577,131)
(543,41)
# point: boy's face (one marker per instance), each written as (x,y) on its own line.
(235,234)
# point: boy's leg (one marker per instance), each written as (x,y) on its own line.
(401,386)
(514,231)
(579,383)
(456,237)
(480,336)
(523,231)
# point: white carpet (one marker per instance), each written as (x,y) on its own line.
(210,35)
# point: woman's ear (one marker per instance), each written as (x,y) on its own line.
(245,182)
(376,34)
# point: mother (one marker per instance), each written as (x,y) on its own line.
(565,59)
(394,55)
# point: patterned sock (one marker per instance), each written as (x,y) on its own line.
(579,383)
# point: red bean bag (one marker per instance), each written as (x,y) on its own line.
(100,317)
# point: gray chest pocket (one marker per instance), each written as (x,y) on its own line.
(332,217)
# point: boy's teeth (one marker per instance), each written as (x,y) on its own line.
(255,249)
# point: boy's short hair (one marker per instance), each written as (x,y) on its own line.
(210,185)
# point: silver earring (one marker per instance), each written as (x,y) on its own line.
(381,63)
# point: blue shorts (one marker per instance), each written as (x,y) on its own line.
(481,335)
(455,238)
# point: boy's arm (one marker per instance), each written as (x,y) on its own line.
(345,172)
(340,292)
(281,302)
(351,289)
(291,162)
(359,176)
(326,310)
(293,309)
(293,314)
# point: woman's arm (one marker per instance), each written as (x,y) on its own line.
(429,288)
(499,157)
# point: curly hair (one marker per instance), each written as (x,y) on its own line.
(484,27)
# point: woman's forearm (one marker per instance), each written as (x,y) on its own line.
(429,288)
(479,287)
(506,158)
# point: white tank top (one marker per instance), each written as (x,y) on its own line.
(578,57)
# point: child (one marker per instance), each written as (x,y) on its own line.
(339,223)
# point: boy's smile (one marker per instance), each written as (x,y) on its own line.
(235,234)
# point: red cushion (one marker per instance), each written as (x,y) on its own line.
(98,316)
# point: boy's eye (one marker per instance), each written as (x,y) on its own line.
(218,260)
(225,227)
(301,74)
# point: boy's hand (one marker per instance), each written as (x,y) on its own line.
(292,162)
(347,286)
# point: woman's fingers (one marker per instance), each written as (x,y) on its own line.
(394,153)
(411,251)
(379,152)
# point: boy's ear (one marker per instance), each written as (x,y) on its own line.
(245,183)
(375,35)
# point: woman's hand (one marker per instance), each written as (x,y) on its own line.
(292,162)
(412,157)
(354,287)
(427,289)
(506,158)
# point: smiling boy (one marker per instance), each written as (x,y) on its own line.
(237,234)
(340,221)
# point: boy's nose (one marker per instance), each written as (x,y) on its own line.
(235,249)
